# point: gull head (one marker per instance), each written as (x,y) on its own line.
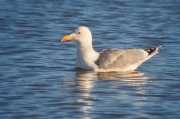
(81,35)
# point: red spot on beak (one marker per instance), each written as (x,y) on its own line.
(64,40)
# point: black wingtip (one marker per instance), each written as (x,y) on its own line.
(151,50)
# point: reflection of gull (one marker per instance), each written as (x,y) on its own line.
(106,60)
(119,75)
(85,80)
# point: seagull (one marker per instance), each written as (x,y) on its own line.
(108,59)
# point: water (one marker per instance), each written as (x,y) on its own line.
(38,76)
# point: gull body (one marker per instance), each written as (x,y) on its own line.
(106,60)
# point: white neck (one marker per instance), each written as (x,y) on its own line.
(86,55)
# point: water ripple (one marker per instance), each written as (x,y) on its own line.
(38,75)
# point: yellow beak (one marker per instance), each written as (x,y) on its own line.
(66,38)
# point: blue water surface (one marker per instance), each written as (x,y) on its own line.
(38,78)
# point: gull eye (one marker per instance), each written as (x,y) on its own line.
(78,32)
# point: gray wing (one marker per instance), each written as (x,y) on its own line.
(114,58)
